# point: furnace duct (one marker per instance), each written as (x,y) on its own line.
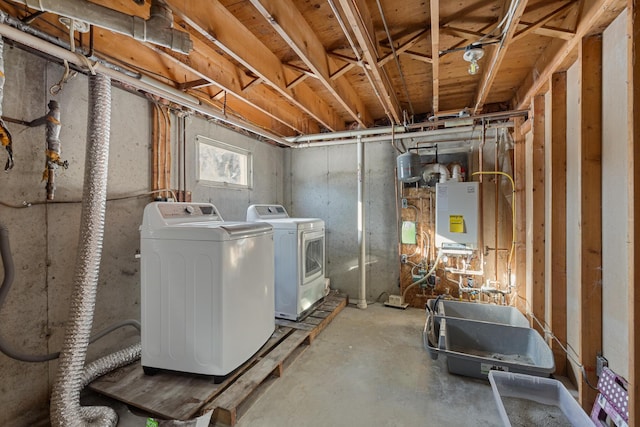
(71,377)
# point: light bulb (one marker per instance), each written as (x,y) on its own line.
(474,68)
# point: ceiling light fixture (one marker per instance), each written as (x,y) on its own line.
(472,54)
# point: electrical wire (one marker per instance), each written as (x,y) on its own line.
(550,333)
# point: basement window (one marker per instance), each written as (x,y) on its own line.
(223,165)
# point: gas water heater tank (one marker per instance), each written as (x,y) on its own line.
(408,167)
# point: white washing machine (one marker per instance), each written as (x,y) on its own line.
(207,289)
(299,244)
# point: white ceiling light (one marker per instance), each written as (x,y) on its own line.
(472,54)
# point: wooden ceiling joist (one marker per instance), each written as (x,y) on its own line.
(542,21)
(193,84)
(558,58)
(435,54)
(403,47)
(212,20)
(291,25)
(359,17)
(209,65)
(498,55)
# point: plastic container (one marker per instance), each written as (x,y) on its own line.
(542,401)
(502,314)
(475,348)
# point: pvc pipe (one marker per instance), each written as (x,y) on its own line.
(157,88)
(362,261)
(436,168)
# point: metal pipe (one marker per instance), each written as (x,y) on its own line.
(347,134)
(157,29)
(52,122)
(156,88)
(456,134)
(362,260)
(65,399)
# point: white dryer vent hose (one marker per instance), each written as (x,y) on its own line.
(72,375)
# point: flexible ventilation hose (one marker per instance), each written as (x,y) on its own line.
(65,400)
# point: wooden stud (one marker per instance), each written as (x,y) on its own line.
(519,176)
(558,225)
(536,213)
(633,72)
(590,110)
(413,40)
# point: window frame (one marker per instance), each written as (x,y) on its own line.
(248,155)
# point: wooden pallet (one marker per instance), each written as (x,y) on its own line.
(178,396)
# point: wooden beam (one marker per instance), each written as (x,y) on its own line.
(292,26)
(221,28)
(554,32)
(464,33)
(536,213)
(558,57)
(359,17)
(558,225)
(497,56)
(342,71)
(209,65)
(519,177)
(542,21)
(435,54)
(418,56)
(590,110)
(403,47)
(194,84)
(633,118)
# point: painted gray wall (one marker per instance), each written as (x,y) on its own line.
(615,198)
(322,182)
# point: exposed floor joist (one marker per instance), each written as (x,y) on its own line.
(291,25)
(221,28)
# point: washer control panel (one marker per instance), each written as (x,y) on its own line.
(203,211)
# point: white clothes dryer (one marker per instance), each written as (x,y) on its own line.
(207,289)
(299,247)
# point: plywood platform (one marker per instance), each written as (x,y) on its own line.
(178,396)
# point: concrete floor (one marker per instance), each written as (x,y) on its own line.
(367,368)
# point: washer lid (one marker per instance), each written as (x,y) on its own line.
(213,231)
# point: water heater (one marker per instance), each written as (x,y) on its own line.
(457,208)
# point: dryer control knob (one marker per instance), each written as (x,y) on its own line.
(189,209)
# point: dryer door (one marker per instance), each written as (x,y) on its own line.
(313,255)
